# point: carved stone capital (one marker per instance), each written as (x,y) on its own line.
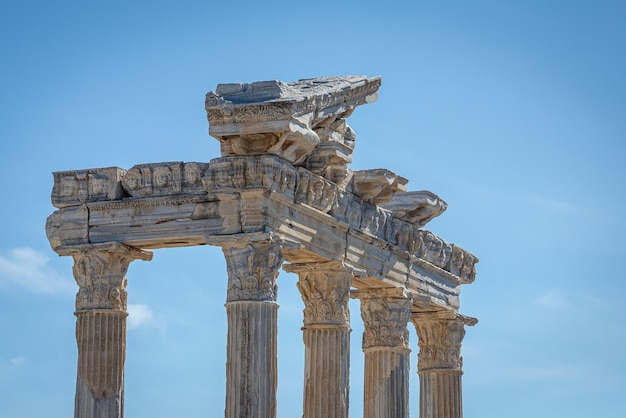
(440,343)
(385,319)
(325,291)
(99,270)
(252,267)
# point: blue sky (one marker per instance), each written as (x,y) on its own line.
(512,112)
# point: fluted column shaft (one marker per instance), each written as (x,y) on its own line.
(251,308)
(386,349)
(325,290)
(439,366)
(99,270)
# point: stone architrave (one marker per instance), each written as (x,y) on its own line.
(440,363)
(252,311)
(325,291)
(101,313)
(385,313)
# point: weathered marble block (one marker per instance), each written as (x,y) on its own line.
(274,117)
(378,185)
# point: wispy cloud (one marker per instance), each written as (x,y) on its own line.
(29,269)
(18,360)
(139,315)
(552,300)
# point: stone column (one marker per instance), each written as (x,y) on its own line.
(251,308)
(99,270)
(439,365)
(385,314)
(325,290)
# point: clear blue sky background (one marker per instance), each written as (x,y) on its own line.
(513,112)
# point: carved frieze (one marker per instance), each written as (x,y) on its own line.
(440,343)
(251,172)
(434,249)
(325,291)
(315,191)
(252,271)
(81,186)
(462,264)
(164,179)
(385,320)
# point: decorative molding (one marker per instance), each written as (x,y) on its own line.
(315,191)
(250,172)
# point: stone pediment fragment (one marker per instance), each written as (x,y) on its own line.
(377,186)
(417,208)
(274,117)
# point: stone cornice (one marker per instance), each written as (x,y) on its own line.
(275,100)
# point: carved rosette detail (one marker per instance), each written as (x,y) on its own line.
(325,294)
(385,322)
(440,343)
(252,271)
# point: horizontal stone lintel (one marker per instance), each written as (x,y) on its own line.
(188,220)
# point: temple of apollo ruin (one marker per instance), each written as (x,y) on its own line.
(281,195)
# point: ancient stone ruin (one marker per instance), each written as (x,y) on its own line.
(282,191)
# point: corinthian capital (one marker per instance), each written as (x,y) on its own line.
(252,271)
(99,270)
(325,291)
(439,342)
(385,319)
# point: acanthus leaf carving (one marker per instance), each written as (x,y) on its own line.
(325,293)
(385,321)
(99,270)
(252,271)
(440,343)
